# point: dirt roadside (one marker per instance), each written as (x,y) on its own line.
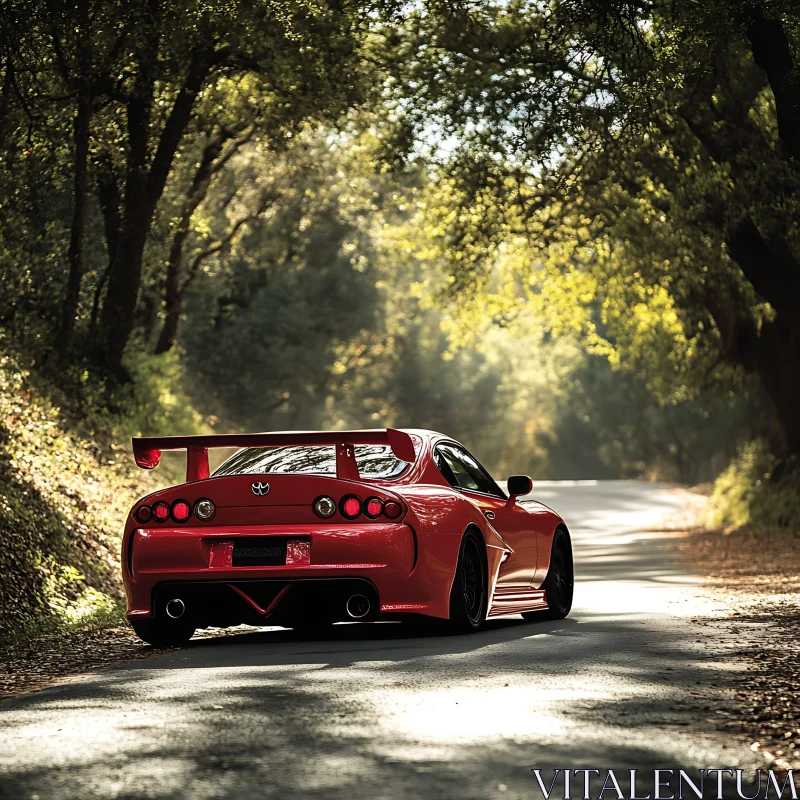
(49,659)
(758,578)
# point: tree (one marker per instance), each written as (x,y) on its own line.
(242,118)
(145,80)
(651,146)
(289,49)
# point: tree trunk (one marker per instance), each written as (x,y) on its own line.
(5,94)
(110,199)
(772,53)
(196,194)
(777,363)
(772,353)
(144,186)
(119,307)
(75,254)
(172,294)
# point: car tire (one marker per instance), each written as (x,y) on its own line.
(469,595)
(559,584)
(160,634)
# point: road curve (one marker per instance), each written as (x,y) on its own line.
(378,711)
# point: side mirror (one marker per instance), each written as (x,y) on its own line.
(519,485)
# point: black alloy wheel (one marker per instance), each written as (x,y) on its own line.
(468,595)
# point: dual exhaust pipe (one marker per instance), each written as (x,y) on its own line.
(357,607)
(175,608)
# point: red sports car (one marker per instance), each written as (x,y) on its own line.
(307,529)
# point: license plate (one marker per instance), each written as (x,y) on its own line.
(259,551)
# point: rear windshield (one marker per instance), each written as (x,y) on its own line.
(375,461)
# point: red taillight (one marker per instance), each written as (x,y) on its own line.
(143,514)
(181,511)
(392,509)
(373,508)
(160,511)
(350,506)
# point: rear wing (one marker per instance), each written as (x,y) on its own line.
(147,449)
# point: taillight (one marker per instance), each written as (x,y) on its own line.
(392,509)
(350,506)
(143,514)
(160,511)
(324,507)
(181,511)
(204,509)
(373,508)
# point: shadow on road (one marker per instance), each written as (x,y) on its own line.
(395,711)
(347,644)
(367,711)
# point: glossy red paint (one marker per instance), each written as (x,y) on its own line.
(407,563)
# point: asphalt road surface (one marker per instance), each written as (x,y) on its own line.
(379,711)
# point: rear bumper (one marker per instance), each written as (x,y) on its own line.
(267,602)
(403,574)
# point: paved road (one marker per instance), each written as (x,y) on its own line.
(375,711)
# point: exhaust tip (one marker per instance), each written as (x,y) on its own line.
(175,608)
(358,606)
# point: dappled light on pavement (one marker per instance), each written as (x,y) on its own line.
(388,710)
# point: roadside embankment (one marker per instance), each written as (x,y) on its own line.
(757,575)
(67,482)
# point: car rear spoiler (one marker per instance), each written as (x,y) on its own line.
(147,449)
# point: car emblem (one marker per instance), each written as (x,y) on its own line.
(260,488)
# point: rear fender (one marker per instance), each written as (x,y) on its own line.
(440,518)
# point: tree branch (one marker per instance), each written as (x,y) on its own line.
(174,127)
(267,201)
(770,267)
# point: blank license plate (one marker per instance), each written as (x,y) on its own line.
(255,551)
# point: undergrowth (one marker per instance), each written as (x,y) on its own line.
(67,482)
(747,495)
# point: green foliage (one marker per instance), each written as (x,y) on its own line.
(264,323)
(117,118)
(640,162)
(66,486)
(749,495)
(155,400)
(323,316)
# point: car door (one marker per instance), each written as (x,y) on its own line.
(512,522)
